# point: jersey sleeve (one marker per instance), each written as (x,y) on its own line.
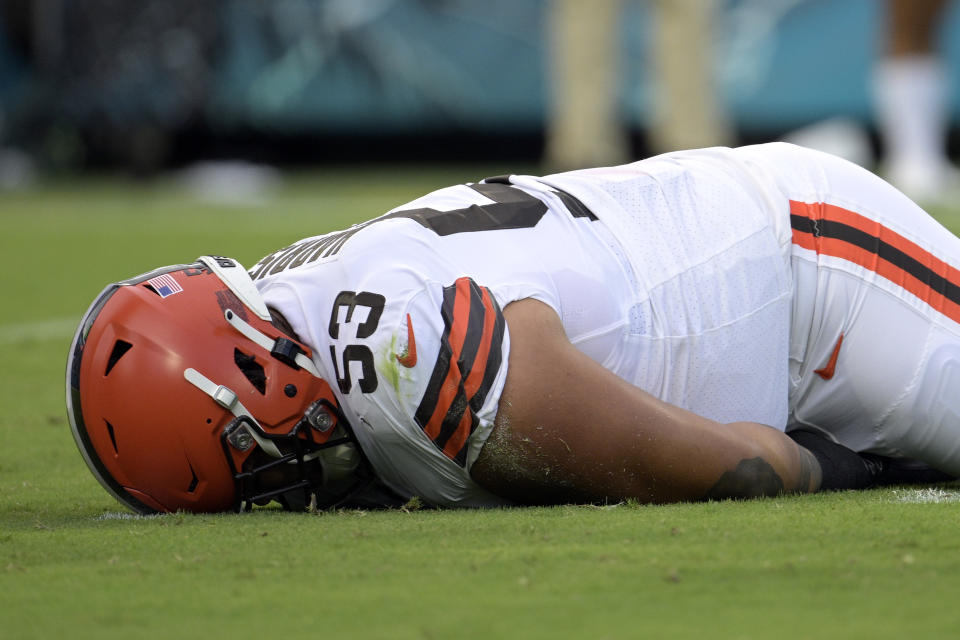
(463,372)
(441,364)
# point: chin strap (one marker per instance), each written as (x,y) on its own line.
(283,349)
(226,398)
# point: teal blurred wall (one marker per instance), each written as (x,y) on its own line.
(290,67)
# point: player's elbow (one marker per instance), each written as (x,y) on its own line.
(750,478)
(764,462)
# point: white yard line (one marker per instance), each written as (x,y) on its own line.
(126,515)
(926,496)
(49,329)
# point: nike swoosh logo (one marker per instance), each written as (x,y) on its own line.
(409,359)
(827,372)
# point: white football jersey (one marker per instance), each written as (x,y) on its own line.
(404,317)
(663,275)
(758,284)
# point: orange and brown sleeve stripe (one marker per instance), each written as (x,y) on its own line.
(834,231)
(467,364)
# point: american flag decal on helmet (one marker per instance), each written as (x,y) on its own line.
(469,359)
(164,285)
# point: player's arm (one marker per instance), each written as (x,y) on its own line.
(568,430)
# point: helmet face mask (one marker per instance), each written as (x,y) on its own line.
(182,395)
(298,478)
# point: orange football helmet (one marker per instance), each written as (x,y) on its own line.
(182,395)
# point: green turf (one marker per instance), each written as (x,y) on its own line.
(852,565)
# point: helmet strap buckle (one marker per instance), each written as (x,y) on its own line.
(286,351)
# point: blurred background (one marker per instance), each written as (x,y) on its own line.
(154,85)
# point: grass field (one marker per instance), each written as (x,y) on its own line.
(878,564)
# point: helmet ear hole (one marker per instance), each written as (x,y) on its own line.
(250,368)
(120,348)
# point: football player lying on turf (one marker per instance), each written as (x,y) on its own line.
(646,332)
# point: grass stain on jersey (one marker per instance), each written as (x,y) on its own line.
(388,366)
